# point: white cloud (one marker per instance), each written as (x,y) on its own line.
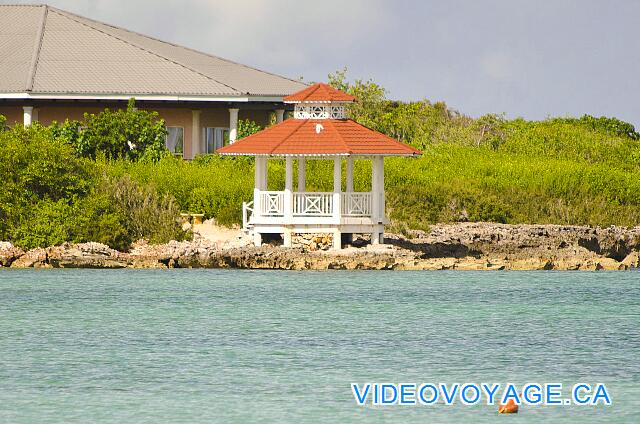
(288,32)
(282,31)
(518,56)
(285,36)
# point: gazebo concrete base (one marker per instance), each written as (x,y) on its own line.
(287,231)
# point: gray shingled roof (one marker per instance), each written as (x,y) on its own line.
(44,50)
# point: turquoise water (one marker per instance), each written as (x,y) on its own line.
(267,346)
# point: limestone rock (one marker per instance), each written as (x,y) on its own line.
(9,253)
(81,255)
(632,260)
(462,246)
(85,255)
(34,258)
(312,241)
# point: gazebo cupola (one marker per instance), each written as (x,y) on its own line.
(320,101)
(319,130)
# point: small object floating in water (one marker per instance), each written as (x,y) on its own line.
(508,408)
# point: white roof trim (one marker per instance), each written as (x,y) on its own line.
(266,99)
(157,97)
(364,155)
(342,102)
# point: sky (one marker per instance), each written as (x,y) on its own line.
(531,59)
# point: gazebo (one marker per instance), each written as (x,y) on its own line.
(320,130)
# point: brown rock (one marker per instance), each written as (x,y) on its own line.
(9,253)
(473,246)
(34,258)
(632,260)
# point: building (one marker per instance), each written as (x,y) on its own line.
(319,130)
(56,65)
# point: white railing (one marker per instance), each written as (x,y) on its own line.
(247,211)
(272,203)
(356,204)
(312,204)
(319,111)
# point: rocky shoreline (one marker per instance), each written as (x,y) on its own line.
(464,246)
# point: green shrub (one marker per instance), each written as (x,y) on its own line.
(41,165)
(99,219)
(121,134)
(36,166)
(48,223)
(145,213)
(51,196)
(213,185)
(560,170)
(51,223)
(607,125)
(246,127)
(451,183)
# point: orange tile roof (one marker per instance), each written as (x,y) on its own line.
(319,92)
(336,137)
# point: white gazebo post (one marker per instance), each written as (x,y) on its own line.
(382,213)
(377,198)
(349,190)
(195,133)
(288,199)
(279,115)
(233,125)
(260,184)
(260,178)
(337,188)
(302,174)
(28,115)
(349,187)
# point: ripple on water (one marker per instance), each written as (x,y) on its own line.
(242,346)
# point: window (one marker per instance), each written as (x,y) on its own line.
(175,140)
(214,138)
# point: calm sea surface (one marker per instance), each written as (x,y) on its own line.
(267,346)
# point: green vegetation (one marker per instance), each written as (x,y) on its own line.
(110,179)
(213,185)
(246,127)
(51,195)
(560,170)
(121,134)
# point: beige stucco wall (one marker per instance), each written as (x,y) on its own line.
(178,117)
(173,116)
(261,117)
(49,114)
(13,114)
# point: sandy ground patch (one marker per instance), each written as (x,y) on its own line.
(223,237)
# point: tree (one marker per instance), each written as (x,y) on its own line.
(246,127)
(121,134)
(36,166)
(371,101)
(419,123)
(491,130)
(610,125)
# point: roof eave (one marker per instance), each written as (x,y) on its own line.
(414,155)
(140,96)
